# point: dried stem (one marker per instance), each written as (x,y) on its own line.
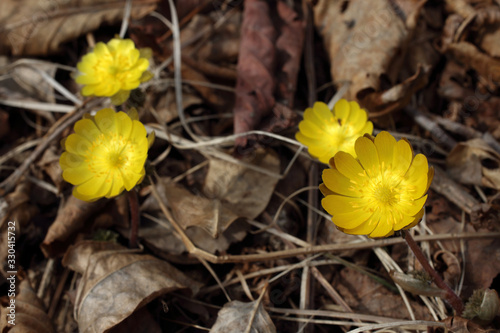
(451,296)
(134,218)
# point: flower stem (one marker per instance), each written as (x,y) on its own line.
(134,218)
(451,296)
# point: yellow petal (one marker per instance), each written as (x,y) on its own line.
(403,155)
(341,110)
(385,144)
(124,122)
(88,198)
(352,219)
(130,179)
(310,130)
(349,167)
(91,187)
(367,227)
(323,112)
(384,228)
(77,144)
(405,221)
(415,221)
(106,121)
(416,177)
(368,156)
(117,186)
(77,176)
(87,129)
(324,190)
(338,183)
(412,207)
(68,160)
(368,128)
(357,117)
(337,204)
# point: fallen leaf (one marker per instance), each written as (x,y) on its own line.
(475,162)
(256,63)
(366,41)
(33,27)
(461,325)
(231,191)
(116,282)
(481,256)
(71,218)
(237,316)
(29,312)
(367,296)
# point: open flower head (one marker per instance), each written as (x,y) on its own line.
(326,131)
(105,155)
(112,70)
(382,191)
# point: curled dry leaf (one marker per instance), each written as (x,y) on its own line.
(366,40)
(475,162)
(256,63)
(237,316)
(29,312)
(117,281)
(462,325)
(70,219)
(33,27)
(18,213)
(231,191)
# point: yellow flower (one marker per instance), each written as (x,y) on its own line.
(383,191)
(326,131)
(105,155)
(112,70)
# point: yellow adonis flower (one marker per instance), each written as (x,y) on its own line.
(105,155)
(326,131)
(113,70)
(384,190)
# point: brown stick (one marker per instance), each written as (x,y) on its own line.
(451,296)
(134,218)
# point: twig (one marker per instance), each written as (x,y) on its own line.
(451,296)
(134,218)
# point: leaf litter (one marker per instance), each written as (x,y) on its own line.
(226,204)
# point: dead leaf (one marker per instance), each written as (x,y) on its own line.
(367,296)
(475,162)
(256,63)
(29,312)
(480,269)
(289,47)
(116,282)
(33,27)
(49,162)
(231,191)
(471,57)
(70,219)
(461,325)
(236,316)
(365,40)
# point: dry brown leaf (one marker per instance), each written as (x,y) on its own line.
(18,213)
(475,162)
(29,313)
(256,63)
(237,316)
(117,281)
(164,241)
(480,269)
(33,27)
(471,57)
(367,296)
(231,191)
(70,219)
(461,325)
(49,162)
(365,40)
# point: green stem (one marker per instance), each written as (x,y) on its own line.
(134,218)
(451,296)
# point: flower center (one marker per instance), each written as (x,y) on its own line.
(108,154)
(385,195)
